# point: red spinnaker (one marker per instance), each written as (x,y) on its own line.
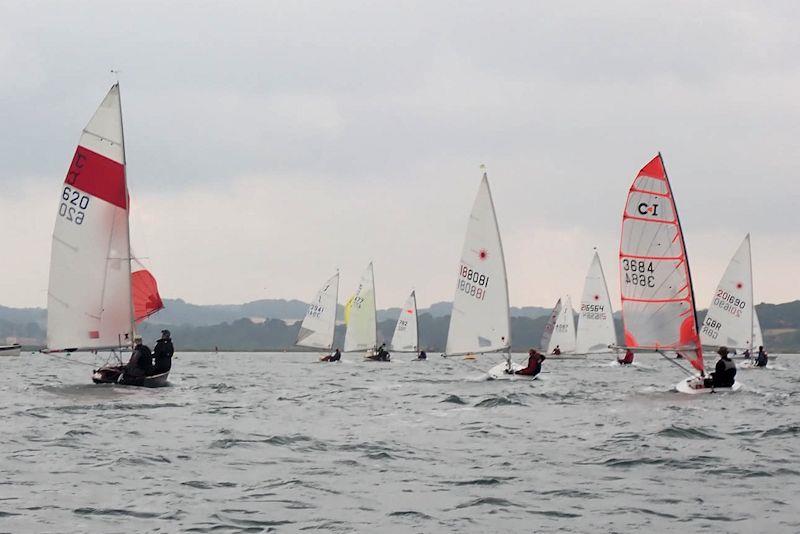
(144,291)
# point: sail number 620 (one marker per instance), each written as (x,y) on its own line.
(639,272)
(72,205)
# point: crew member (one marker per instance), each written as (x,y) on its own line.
(422,355)
(762,358)
(141,362)
(557,350)
(534,366)
(627,359)
(163,352)
(724,372)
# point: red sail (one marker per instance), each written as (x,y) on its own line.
(144,290)
(658,310)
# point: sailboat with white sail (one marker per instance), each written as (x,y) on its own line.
(479,321)
(406,331)
(361,317)
(658,306)
(98,291)
(319,325)
(596,332)
(558,339)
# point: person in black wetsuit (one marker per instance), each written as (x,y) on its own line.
(724,372)
(762,358)
(422,355)
(141,362)
(335,357)
(163,352)
(557,350)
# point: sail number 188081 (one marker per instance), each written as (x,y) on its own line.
(472,282)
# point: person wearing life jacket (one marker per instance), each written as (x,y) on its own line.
(333,357)
(746,354)
(724,372)
(422,355)
(162,353)
(141,361)
(557,350)
(627,359)
(762,358)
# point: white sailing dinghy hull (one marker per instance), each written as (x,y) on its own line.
(10,350)
(693,385)
(498,372)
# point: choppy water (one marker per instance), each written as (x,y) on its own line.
(274,442)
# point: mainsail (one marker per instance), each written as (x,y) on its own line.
(658,307)
(479,321)
(563,333)
(406,338)
(319,324)
(550,326)
(729,320)
(596,320)
(94,298)
(758,336)
(362,327)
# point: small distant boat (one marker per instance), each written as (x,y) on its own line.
(96,296)
(596,332)
(658,305)
(479,322)
(319,324)
(560,332)
(361,318)
(10,350)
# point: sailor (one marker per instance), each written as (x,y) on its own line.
(534,364)
(141,362)
(557,350)
(422,355)
(762,358)
(746,354)
(724,372)
(383,354)
(163,352)
(627,359)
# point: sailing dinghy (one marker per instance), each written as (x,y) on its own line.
(360,316)
(596,332)
(95,295)
(15,349)
(479,321)
(658,306)
(406,331)
(559,332)
(319,324)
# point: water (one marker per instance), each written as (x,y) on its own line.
(276,443)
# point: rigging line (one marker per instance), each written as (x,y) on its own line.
(679,366)
(66,359)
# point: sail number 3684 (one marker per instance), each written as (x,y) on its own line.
(73,204)
(473,283)
(639,272)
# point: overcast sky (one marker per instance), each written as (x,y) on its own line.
(269,143)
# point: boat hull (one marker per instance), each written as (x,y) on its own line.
(115,375)
(10,350)
(498,372)
(693,386)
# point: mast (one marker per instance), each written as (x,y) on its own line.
(375,299)
(416,315)
(335,309)
(127,219)
(502,255)
(685,255)
(752,293)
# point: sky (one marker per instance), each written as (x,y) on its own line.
(271,143)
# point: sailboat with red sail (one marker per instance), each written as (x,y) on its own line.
(658,305)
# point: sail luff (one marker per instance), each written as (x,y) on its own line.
(127,219)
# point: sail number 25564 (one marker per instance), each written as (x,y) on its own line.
(73,204)
(472,282)
(639,272)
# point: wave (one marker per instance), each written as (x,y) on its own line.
(486,501)
(115,512)
(675,431)
(455,399)
(493,402)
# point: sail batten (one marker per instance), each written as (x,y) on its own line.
(658,307)
(479,321)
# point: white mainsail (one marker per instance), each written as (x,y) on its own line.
(93,298)
(758,336)
(360,315)
(596,320)
(479,321)
(406,337)
(319,324)
(729,320)
(544,343)
(563,334)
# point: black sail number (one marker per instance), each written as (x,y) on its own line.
(73,205)
(639,272)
